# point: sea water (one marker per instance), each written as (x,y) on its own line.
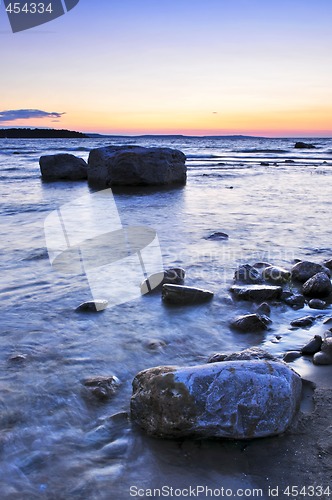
(53,442)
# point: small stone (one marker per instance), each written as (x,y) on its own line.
(101,388)
(247,274)
(304,270)
(219,236)
(317,286)
(328,264)
(276,275)
(250,323)
(256,293)
(303,322)
(290,356)
(155,345)
(313,346)
(170,276)
(264,164)
(317,304)
(92,306)
(184,295)
(296,300)
(263,309)
(324,356)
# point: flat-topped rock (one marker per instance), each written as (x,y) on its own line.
(63,167)
(230,399)
(136,166)
(185,295)
(256,293)
(172,276)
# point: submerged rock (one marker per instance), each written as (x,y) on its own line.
(219,236)
(92,306)
(263,309)
(63,167)
(101,388)
(290,356)
(136,165)
(247,274)
(185,295)
(317,286)
(304,145)
(296,300)
(303,322)
(155,282)
(313,346)
(304,270)
(324,356)
(256,293)
(276,275)
(231,399)
(250,323)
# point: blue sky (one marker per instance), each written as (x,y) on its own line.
(175,67)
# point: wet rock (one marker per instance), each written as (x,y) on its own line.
(303,322)
(249,354)
(100,388)
(231,399)
(314,345)
(247,274)
(264,163)
(155,282)
(155,345)
(185,295)
(290,356)
(276,275)
(317,286)
(304,270)
(317,304)
(324,356)
(92,306)
(304,145)
(263,309)
(327,320)
(296,300)
(289,161)
(250,323)
(261,265)
(63,167)
(256,293)
(17,358)
(219,236)
(136,165)
(328,264)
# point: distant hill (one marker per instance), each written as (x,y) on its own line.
(39,133)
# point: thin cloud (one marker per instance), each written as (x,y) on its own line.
(27,114)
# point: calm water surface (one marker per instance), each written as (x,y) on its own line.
(55,444)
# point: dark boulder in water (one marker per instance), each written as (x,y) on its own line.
(317,304)
(92,306)
(184,295)
(313,346)
(250,323)
(318,286)
(304,145)
(303,322)
(256,293)
(305,269)
(290,356)
(136,166)
(218,236)
(276,275)
(324,356)
(296,300)
(63,167)
(247,274)
(100,388)
(173,276)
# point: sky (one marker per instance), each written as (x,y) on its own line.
(195,67)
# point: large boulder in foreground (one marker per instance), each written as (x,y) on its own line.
(63,167)
(229,399)
(135,166)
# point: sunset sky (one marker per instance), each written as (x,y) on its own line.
(195,67)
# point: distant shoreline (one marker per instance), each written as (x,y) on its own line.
(40,133)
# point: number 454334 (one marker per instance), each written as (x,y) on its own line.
(29,8)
